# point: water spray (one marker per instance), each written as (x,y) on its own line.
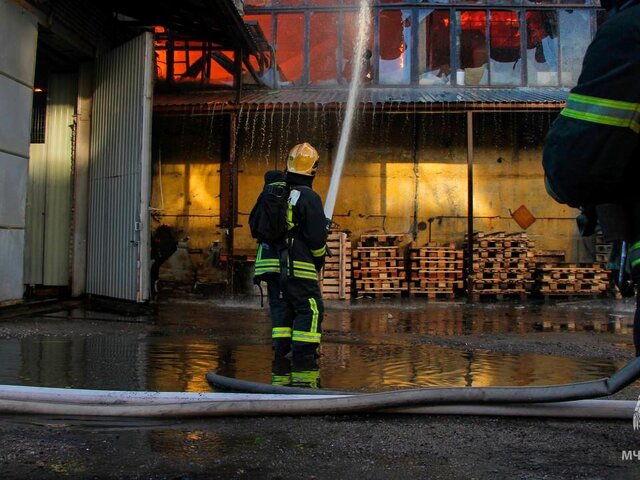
(364,24)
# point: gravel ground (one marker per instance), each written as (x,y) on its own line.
(322,447)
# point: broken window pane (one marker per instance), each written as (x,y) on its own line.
(473,48)
(290,48)
(434,51)
(574,27)
(542,48)
(395,47)
(505,64)
(322,49)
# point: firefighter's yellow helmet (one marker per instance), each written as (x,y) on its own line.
(303,159)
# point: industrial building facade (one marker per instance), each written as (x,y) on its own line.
(456,102)
(434,71)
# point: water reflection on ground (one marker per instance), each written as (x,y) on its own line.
(365,349)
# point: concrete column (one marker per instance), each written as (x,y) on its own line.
(18,43)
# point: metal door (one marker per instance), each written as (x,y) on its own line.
(120,170)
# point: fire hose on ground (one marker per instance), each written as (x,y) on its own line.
(577,400)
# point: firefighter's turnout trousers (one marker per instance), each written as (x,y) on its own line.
(296,315)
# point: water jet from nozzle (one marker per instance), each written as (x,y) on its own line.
(364,23)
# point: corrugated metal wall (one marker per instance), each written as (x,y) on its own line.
(49,189)
(117,257)
(35,211)
(61,106)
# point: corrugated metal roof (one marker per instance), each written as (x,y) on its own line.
(430,95)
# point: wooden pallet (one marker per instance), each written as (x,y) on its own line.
(378,265)
(575,279)
(435,270)
(336,274)
(502,265)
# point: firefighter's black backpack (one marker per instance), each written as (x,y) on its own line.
(268,218)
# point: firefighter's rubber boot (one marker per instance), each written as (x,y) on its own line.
(305,372)
(281,371)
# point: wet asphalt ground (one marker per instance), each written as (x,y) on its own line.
(368,346)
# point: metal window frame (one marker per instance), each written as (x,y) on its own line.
(520,7)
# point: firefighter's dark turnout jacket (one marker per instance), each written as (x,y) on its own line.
(296,305)
(591,153)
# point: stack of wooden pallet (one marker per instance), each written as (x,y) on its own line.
(502,265)
(572,279)
(435,270)
(336,275)
(378,266)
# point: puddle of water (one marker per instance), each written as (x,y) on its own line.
(366,349)
(157,363)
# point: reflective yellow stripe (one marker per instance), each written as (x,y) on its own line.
(319,252)
(635,246)
(266,270)
(290,223)
(304,274)
(280,380)
(316,314)
(308,378)
(280,332)
(270,263)
(304,266)
(604,111)
(265,265)
(307,337)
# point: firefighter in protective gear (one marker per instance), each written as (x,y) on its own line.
(291,273)
(591,152)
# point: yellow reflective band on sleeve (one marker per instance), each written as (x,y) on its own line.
(315,315)
(319,252)
(635,246)
(306,337)
(280,332)
(604,111)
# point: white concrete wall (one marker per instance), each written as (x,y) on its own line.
(18,43)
